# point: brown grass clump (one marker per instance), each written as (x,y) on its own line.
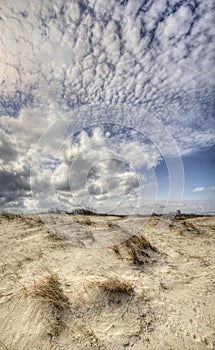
(9,216)
(54,303)
(136,249)
(113,284)
(111,290)
(32,221)
(84,221)
(112,224)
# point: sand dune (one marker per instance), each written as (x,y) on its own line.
(75,282)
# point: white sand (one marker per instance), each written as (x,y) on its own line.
(172,306)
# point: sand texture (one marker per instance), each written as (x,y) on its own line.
(75,282)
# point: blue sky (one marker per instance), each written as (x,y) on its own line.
(200,179)
(107,104)
(199,170)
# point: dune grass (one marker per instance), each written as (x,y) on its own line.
(136,249)
(47,290)
(112,284)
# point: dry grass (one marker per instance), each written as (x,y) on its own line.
(84,221)
(90,339)
(47,290)
(35,221)
(112,224)
(3,346)
(89,221)
(54,236)
(9,216)
(57,239)
(136,249)
(112,284)
(110,291)
(190,228)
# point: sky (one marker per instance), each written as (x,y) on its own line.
(107,105)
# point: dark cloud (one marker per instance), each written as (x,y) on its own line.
(12,182)
(7,151)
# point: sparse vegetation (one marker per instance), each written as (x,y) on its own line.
(112,224)
(84,211)
(32,222)
(54,236)
(136,249)
(190,228)
(119,306)
(112,284)
(87,221)
(48,291)
(90,334)
(29,220)
(9,216)
(84,221)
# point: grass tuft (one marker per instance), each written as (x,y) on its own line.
(55,304)
(113,284)
(9,216)
(84,221)
(136,249)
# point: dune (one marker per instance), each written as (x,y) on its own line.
(75,282)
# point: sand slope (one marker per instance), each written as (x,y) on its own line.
(170,303)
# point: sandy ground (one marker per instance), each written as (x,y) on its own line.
(171,305)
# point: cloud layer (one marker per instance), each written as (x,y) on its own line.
(58,56)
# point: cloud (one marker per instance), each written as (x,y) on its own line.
(60,56)
(97,169)
(198,189)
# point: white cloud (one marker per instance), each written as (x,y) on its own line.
(97,168)
(198,189)
(58,56)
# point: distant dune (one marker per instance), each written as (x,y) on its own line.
(77,282)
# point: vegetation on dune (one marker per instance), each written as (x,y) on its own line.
(110,291)
(136,249)
(112,284)
(47,290)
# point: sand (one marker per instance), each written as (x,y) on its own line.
(170,304)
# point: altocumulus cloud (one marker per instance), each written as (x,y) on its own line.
(57,56)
